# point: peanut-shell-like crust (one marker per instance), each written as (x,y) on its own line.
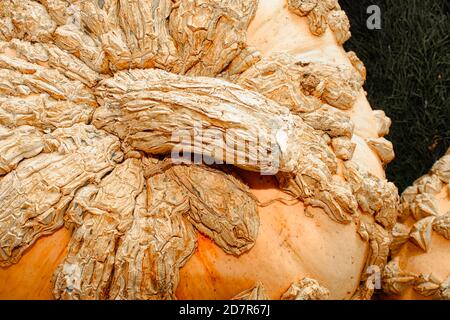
(424,229)
(306,289)
(35,196)
(221,207)
(158,243)
(322,14)
(17,144)
(103,102)
(103,213)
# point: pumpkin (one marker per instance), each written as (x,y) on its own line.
(94,98)
(419,267)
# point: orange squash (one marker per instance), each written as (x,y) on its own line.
(296,240)
(421,246)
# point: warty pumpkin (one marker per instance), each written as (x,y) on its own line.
(420,264)
(95,100)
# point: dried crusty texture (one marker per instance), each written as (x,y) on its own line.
(255,293)
(379,244)
(428,184)
(34,92)
(39,79)
(209,34)
(321,13)
(61,11)
(357,64)
(159,242)
(421,232)
(73,40)
(317,187)
(47,78)
(300,85)
(374,195)
(444,290)
(442,168)
(34,196)
(423,205)
(195,37)
(155,237)
(42,112)
(331,121)
(146,30)
(129,34)
(383,122)
(92,26)
(221,207)
(104,212)
(379,241)
(159,112)
(420,216)
(306,289)
(91,31)
(154,111)
(420,201)
(18,144)
(6,25)
(400,235)
(49,54)
(427,285)
(295,81)
(363,292)
(395,281)
(383,148)
(31,21)
(340,25)
(441,225)
(246,58)
(343,147)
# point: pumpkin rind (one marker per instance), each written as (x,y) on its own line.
(327,144)
(422,249)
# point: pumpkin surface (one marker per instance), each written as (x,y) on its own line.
(99,86)
(421,247)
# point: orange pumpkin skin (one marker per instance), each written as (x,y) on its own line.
(290,245)
(417,262)
(31,277)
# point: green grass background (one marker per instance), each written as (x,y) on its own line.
(408,76)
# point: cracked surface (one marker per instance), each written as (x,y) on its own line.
(379,241)
(375,196)
(102,213)
(114,35)
(158,243)
(299,83)
(135,221)
(422,244)
(36,194)
(321,14)
(221,207)
(306,289)
(146,107)
(18,144)
(213,33)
